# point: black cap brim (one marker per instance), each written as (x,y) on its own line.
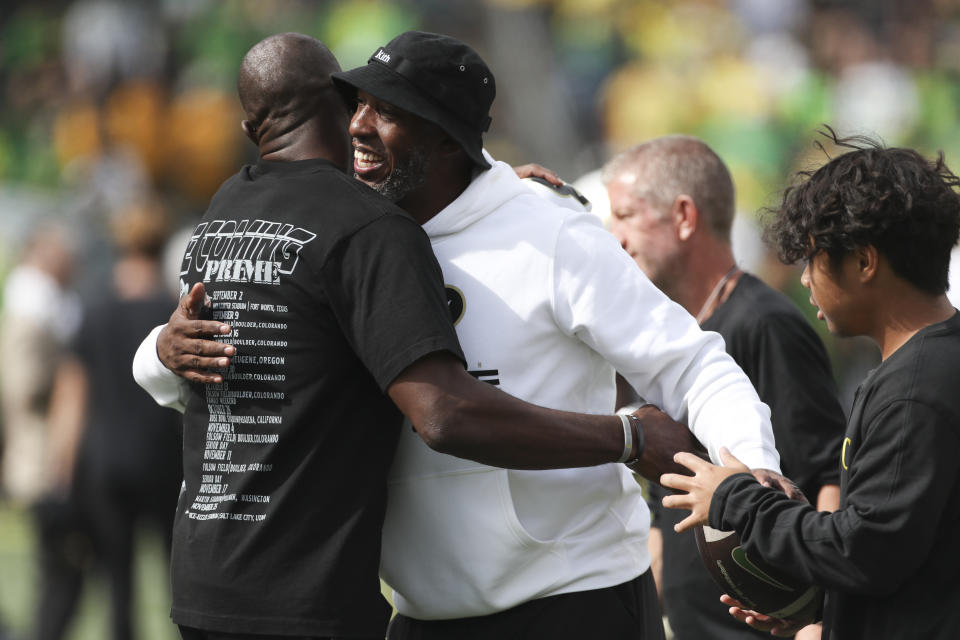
(388,85)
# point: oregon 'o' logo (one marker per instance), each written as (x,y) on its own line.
(843,452)
(456,303)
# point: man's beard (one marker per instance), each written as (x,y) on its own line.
(408,174)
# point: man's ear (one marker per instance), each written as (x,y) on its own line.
(685,216)
(250,130)
(868,262)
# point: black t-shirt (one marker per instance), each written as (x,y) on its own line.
(787,363)
(331,291)
(888,556)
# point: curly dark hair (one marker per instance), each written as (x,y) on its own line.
(892,198)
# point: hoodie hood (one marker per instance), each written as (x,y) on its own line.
(488,191)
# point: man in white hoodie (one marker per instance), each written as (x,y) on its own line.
(547,307)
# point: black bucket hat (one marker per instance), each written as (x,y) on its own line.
(433,76)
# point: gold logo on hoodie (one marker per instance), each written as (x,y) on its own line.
(843,452)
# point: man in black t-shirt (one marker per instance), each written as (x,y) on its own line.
(875,227)
(672,208)
(332,293)
(333,296)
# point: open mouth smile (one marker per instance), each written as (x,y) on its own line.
(366,161)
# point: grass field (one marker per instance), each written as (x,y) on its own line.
(18,587)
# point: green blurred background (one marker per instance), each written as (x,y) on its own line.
(109,103)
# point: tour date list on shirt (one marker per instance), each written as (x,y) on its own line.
(241,263)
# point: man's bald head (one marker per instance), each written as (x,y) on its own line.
(284,81)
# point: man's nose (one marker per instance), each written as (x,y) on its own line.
(360,122)
(618,234)
(805,275)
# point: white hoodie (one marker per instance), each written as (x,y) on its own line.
(550,306)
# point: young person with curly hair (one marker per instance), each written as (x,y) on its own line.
(875,227)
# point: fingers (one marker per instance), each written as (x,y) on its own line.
(754,619)
(730,601)
(201,376)
(689,523)
(727,459)
(775,626)
(691,461)
(533,170)
(739,614)
(550,176)
(676,481)
(774,480)
(202,328)
(792,490)
(201,354)
(208,353)
(685,501)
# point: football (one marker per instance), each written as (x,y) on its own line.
(756,584)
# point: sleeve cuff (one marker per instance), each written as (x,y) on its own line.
(718,504)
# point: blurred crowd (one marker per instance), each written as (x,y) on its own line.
(119,120)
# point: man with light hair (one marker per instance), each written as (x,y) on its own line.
(673,204)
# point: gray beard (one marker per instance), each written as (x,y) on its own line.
(408,175)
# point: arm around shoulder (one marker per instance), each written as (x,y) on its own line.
(458,415)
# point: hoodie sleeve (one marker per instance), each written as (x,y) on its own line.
(602,297)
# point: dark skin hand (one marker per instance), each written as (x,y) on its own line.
(663,437)
(533,170)
(774,480)
(184,345)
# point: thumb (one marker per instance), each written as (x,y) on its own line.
(727,458)
(730,461)
(192,303)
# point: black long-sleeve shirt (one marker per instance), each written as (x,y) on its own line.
(889,557)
